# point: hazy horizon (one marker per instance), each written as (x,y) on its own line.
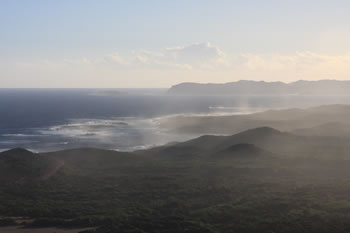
(175,84)
(116,44)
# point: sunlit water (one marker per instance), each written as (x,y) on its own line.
(125,120)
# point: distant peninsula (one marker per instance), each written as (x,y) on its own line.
(246,87)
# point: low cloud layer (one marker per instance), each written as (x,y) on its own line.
(198,62)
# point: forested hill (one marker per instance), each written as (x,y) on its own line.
(260,180)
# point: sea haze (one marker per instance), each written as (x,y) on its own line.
(117,119)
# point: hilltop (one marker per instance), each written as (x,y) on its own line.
(19,165)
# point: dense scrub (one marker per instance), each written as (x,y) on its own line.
(289,195)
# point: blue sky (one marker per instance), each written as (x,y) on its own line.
(113,43)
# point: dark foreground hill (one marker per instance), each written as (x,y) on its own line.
(19,165)
(242,151)
(260,180)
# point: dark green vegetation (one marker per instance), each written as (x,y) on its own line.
(21,165)
(261,180)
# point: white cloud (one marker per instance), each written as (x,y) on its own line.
(193,56)
(199,54)
(116,58)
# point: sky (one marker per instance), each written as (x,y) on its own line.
(159,43)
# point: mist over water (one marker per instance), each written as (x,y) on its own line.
(117,119)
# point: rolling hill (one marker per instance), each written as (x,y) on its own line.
(282,119)
(260,178)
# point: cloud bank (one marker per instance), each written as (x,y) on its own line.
(197,62)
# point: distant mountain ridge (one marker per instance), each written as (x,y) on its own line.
(247,87)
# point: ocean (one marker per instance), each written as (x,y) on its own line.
(117,119)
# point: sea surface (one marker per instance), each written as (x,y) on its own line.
(118,119)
